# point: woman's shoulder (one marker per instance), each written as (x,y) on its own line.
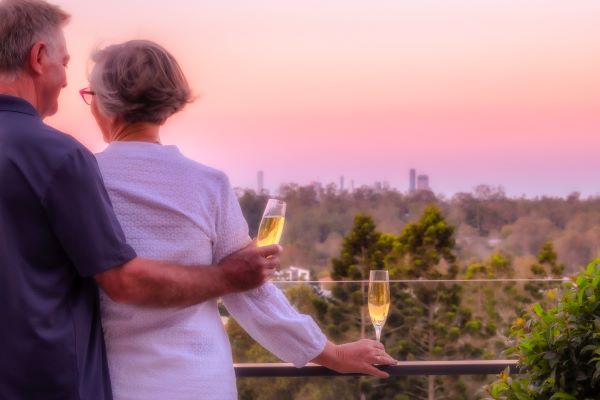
(206,173)
(162,162)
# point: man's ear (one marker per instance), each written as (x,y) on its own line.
(36,54)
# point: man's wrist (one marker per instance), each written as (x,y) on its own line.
(222,281)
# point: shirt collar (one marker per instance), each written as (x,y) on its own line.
(16,104)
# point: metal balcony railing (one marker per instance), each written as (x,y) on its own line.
(503,296)
(403,368)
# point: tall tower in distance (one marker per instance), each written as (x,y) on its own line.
(342,183)
(423,182)
(260,182)
(413,181)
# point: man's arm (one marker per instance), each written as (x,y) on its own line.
(160,284)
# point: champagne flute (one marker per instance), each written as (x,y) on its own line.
(379,299)
(271,225)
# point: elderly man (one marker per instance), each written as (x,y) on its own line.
(59,235)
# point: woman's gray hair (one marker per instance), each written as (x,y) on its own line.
(22,23)
(138,81)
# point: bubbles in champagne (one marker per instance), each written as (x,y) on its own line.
(270,230)
(379,302)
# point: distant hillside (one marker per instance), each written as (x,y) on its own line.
(486,222)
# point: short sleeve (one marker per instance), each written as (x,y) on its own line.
(230,225)
(82,217)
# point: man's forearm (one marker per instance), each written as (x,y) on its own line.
(160,284)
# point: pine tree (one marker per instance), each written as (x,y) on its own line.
(429,318)
(362,250)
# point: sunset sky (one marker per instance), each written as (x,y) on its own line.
(482,91)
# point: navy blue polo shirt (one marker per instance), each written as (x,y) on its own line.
(57,230)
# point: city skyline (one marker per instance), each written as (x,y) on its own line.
(505,93)
(379,185)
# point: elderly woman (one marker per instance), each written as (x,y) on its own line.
(175,209)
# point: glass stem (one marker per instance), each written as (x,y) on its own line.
(378,333)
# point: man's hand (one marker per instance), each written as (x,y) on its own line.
(250,267)
(356,357)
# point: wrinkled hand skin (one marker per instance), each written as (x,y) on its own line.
(250,267)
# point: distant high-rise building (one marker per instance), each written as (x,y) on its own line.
(341,183)
(423,182)
(260,184)
(413,181)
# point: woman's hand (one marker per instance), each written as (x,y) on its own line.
(356,357)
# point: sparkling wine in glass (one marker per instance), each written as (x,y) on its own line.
(379,299)
(271,225)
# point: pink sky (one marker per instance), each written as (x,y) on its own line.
(499,92)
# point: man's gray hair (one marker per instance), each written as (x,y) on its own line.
(138,81)
(22,23)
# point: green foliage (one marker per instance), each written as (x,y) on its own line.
(500,266)
(547,262)
(537,269)
(361,251)
(474,326)
(477,269)
(547,255)
(491,328)
(426,320)
(558,347)
(426,243)
(319,217)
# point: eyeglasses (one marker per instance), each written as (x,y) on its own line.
(86,95)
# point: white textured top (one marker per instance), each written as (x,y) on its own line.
(174,209)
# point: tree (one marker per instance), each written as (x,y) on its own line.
(426,320)
(500,237)
(362,250)
(424,244)
(344,315)
(548,264)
